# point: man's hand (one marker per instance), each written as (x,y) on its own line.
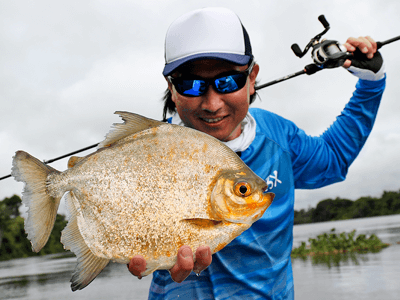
(184,264)
(367,63)
(366,45)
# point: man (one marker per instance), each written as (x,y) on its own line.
(211,77)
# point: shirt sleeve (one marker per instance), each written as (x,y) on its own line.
(323,160)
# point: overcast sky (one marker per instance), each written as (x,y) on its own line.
(67,66)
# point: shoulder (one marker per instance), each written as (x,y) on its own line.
(274,127)
(261,114)
(270,122)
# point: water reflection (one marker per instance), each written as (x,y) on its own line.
(350,275)
(338,259)
(26,273)
(48,277)
(20,286)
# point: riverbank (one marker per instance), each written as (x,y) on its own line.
(345,209)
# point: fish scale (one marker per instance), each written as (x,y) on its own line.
(149,189)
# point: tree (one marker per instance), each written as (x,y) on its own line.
(392,200)
(13,240)
(13,205)
(329,209)
(364,207)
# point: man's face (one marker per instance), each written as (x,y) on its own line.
(218,115)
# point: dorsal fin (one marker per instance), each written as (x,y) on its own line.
(133,123)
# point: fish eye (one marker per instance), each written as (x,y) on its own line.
(242,189)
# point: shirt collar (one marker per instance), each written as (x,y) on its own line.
(242,142)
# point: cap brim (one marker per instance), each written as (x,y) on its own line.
(236,59)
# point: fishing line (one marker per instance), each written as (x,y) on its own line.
(60,157)
(326,54)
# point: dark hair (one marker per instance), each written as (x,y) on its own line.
(169,105)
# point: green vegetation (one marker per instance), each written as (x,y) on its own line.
(343,209)
(13,241)
(333,243)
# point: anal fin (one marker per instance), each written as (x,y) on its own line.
(88,265)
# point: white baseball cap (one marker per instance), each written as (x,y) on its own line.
(213,32)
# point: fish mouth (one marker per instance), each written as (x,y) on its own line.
(265,189)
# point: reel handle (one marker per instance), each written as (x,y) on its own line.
(297,51)
(324,22)
(296,48)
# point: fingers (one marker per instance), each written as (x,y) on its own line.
(183,266)
(203,259)
(137,266)
(347,64)
(366,45)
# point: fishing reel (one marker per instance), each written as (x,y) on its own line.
(325,53)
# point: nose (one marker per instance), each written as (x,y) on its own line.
(212,100)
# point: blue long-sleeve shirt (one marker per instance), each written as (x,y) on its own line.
(257,265)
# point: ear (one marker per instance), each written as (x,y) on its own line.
(169,84)
(172,90)
(253,77)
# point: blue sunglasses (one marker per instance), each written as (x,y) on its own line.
(224,83)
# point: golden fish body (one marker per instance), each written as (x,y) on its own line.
(150,188)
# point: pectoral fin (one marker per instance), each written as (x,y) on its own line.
(89,265)
(202,223)
(73,160)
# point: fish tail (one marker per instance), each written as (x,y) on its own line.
(42,207)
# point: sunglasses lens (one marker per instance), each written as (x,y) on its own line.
(198,87)
(231,83)
(191,87)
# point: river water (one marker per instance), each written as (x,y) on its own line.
(359,276)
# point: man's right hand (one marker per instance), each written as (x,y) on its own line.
(184,264)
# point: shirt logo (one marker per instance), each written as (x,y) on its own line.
(272,180)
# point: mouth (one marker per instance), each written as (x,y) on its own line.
(212,120)
(264,189)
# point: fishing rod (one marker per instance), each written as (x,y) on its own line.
(326,54)
(60,157)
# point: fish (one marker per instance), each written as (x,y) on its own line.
(149,188)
